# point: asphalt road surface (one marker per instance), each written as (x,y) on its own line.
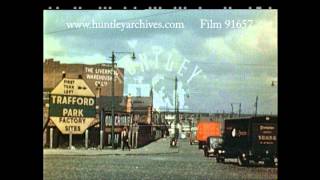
(188,163)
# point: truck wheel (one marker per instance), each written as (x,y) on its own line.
(205,153)
(219,159)
(269,163)
(241,162)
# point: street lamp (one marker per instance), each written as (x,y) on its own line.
(113,58)
(176,102)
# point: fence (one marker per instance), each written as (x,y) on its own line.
(139,135)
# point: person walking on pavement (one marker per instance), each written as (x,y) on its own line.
(125,139)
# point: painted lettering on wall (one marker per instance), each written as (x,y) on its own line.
(68,86)
(103,76)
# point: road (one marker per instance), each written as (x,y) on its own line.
(188,163)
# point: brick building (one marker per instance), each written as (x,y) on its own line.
(129,111)
(94,75)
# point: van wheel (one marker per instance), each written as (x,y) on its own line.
(241,162)
(219,159)
(269,163)
(205,153)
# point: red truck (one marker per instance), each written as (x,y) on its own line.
(207,129)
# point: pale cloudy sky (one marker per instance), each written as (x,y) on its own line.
(233,65)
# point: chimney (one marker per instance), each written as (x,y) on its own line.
(129,104)
(149,114)
(63,74)
(98,88)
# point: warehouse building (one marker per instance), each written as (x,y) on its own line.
(132,112)
(94,75)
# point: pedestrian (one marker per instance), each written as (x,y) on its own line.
(125,139)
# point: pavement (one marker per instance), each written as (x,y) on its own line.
(160,146)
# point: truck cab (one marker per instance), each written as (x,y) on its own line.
(206,129)
(209,148)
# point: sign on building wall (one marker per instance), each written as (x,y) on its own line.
(94,75)
(72,106)
(102,75)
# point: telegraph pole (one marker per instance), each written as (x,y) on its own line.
(101,127)
(176,105)
(256,107)
(231,110)
(112,100)
(112,92)
(175,100)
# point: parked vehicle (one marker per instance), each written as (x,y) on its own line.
(211,144)
(249,139)
(206,129)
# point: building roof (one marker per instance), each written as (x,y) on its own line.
(139,104)
(105,102)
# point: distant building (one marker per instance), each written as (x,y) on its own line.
(140,108)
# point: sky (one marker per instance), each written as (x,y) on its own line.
(214,66)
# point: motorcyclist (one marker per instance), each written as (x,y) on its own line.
(174,139)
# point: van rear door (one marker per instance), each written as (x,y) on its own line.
(264,137)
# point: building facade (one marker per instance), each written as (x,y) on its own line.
(129,111)
(98,75)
